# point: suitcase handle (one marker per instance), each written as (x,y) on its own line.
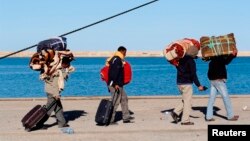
(51,105)
(115,95)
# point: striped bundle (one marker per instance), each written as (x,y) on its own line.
(217,46)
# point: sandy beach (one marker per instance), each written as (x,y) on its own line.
(150,124)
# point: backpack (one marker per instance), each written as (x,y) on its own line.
(56,43)
(127,73)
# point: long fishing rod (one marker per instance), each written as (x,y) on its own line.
(119,14)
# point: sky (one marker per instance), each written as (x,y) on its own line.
(24,23)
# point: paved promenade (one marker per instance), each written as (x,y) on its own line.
(151,123)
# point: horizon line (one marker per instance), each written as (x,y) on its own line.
(109,53)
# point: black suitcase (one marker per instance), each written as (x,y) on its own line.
(35,115)
(104,112)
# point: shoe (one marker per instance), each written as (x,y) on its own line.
(234,118)
(187,123)
(175,117)
(65,125)
(127,121)
(130,118)
(212,119)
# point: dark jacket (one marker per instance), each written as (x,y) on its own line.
(186,71)
(217,67)
(116,72)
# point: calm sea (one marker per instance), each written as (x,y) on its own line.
(151,76)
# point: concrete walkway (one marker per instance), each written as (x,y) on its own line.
(151,123)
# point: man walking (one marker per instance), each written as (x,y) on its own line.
(186,76)
(217,74)
(116,83)
(53,90)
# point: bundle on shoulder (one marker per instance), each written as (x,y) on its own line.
(178,49)
(52,56)
(217,46)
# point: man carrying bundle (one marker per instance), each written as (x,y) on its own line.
(220,51)
(182,57)
(53,55)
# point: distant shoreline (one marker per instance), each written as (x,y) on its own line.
(109,53)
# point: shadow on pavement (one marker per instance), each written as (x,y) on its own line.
(204,110)
(75,114)
(118,115)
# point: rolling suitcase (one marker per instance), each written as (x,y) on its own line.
(35,115)
(104,111)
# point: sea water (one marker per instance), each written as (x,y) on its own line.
(151,76)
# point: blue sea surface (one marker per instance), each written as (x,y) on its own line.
(151,76)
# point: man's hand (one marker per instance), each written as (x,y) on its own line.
(202,88)
(235,51)
(117,87)
(57,97)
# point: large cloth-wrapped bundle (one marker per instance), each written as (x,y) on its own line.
(55,43)
(178,49)
(217,46)
(53,59)
(52,63)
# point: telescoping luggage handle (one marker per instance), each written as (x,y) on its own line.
(115,95)
(51,105)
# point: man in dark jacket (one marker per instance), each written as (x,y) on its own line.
(217,74)
(116,83)
(186,76)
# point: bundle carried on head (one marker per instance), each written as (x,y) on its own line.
(52,54)
(217,46)
(178,49)
(55,43)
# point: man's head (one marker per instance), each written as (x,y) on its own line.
(123,50)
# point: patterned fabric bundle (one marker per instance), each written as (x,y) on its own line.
(217,46)
(51,63)
(52,59)
(178,49)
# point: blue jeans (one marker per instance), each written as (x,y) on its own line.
(220,86)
